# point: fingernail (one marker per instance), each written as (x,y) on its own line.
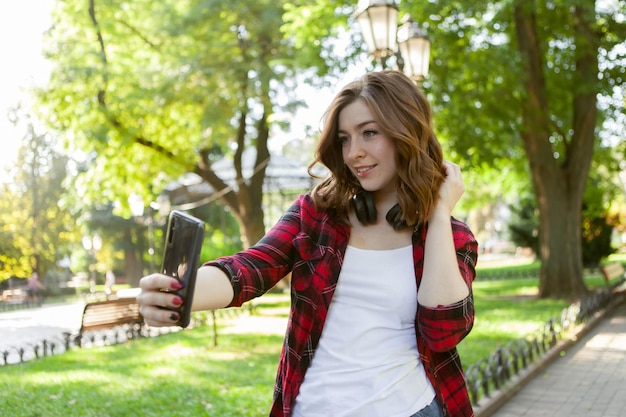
(174,317)
(177,301)
(176,285)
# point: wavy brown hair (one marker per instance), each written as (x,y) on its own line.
(403,113)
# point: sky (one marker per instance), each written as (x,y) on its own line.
(22,24)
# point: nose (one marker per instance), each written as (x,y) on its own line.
(356,150)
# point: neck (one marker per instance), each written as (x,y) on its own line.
(384,201)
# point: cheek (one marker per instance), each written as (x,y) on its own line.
(386,151)
(345,152)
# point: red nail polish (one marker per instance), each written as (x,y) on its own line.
(174,317)
(176,285)
(177,301)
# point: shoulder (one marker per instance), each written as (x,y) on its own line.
(318,223)
(308,211)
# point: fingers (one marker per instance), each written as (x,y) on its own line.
(159,282)
(158,299)
(452,188)
(452,170)
(158,317)
(453,175)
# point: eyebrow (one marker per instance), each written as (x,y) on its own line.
(359,126)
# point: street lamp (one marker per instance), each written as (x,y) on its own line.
(409,44)
(137,209)
(92,245)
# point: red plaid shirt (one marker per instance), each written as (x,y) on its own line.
(311,244)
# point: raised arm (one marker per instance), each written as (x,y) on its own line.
(442,282)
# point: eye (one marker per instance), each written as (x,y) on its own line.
(343,139)
(369,133)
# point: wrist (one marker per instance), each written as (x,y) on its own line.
(439,214)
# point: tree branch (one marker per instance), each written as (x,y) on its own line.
(139,34)
(102,101)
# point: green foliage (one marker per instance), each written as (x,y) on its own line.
(35,230)
(141,88)
(477,80)
(506,310)
(515,83)
(596,228)
(313,26)
(149,90)
(217,244)
(524,224)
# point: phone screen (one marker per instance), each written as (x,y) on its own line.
(181,257)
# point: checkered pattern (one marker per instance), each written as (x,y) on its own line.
(311,244)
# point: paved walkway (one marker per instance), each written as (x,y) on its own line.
(26,327)
(587,379)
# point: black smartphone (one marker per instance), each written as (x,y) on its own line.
(181,257)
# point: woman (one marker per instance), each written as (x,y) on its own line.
(378,302)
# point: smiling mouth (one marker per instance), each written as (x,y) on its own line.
(361,171)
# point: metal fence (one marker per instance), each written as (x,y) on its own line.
(65,341)
(493,373)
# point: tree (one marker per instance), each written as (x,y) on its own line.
(524,223)
(36,230)
(123,243)
(514,87)
(529,76)
(598,224)
(155,89)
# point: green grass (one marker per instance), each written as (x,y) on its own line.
(506,310)
(183,374)
(178,374)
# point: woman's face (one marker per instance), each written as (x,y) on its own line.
(367,152)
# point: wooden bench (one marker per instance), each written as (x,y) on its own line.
(615,276)
(110,314)
(14,299)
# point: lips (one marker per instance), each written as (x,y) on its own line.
(363,171)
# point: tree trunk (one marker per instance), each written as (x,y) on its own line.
(559,239)
(247,202)
(134,266)
(250,211)
(252,226)
(559,179)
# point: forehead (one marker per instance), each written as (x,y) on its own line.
(355,115)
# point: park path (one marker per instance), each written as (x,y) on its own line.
(26,327)
(587,378)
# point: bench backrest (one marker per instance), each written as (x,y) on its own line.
(615,270)
(110,313)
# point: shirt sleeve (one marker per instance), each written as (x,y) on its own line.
(443,327)
(257,269)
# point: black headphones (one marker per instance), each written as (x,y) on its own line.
(366,213)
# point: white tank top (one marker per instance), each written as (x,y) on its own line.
(367,363)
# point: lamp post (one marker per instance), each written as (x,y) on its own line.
(92,245)
(409,44)
(137,209)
